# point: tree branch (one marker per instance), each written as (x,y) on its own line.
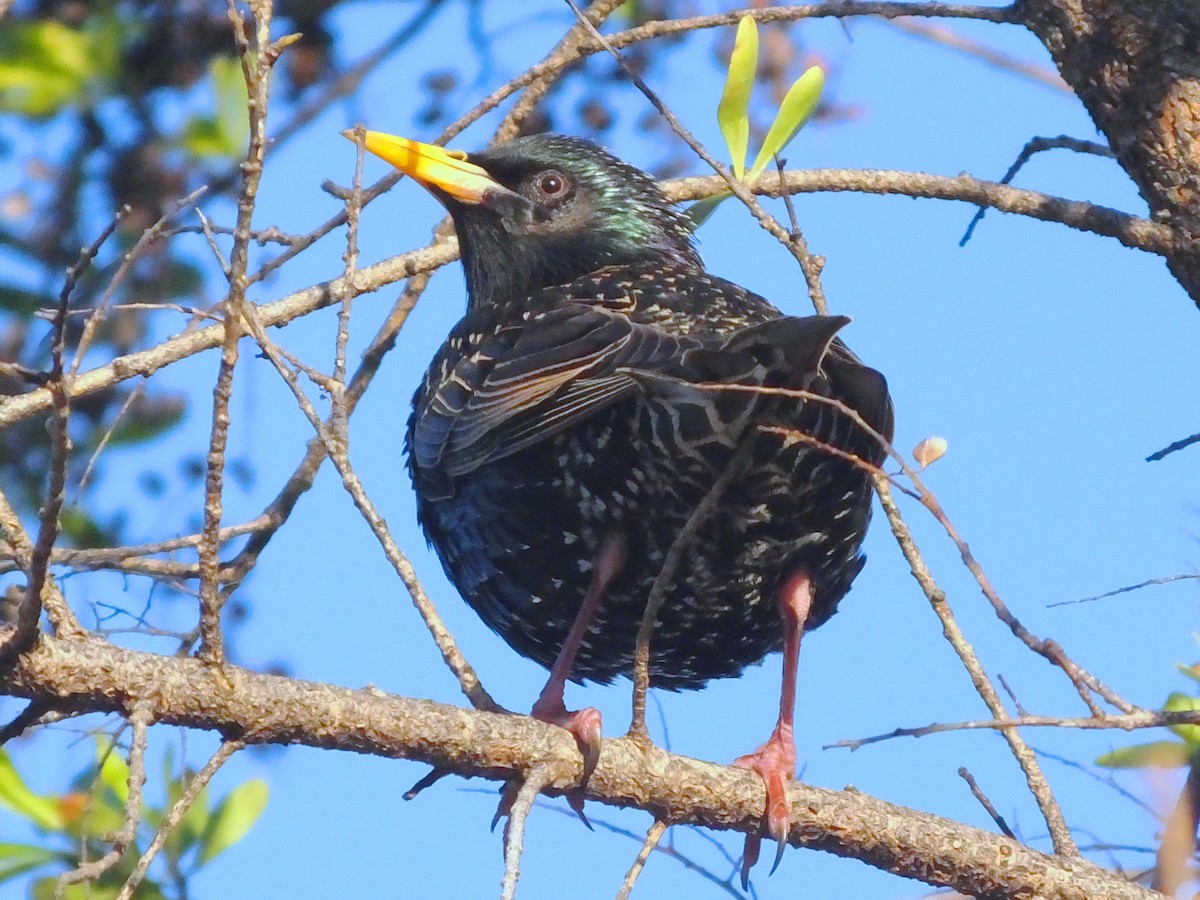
(270,709)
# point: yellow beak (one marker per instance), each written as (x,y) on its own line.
(433,166)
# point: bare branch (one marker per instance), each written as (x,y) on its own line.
(1149,582)
(985,53)
(979,795)
(792,239)
(1064,844)
(140,719)
(171,819)
(653,836)
(1037,145)
(272,709)
(514,829)
(1138,233)
(21,549)
(256,67)
(1143,718)
(467,677)
(1171,448)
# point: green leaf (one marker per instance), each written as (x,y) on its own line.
(1178,702)
(1192,671)
(16,859)
(35,80)
(227,131)
(46,65)
(192,827)
(1158,755)
(232,818)
(47,889)
(802,98)
(147,420)
(229,85)
(83,530)
(16,796)
(114,771)
(733,112)
(22,302)
(700,211)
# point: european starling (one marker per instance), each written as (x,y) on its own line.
(598,387)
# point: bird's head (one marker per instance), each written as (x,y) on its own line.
(542,210)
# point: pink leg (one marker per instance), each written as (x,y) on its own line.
(584,724)
(775,760)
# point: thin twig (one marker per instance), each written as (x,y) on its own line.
(280,508)
(1107,780)
(669,849)
(20,547)
(985,53)
(176,812)
(132,398)
(59,386)
(514,829)
(1060,833)
(1083,681)
(701,514)
(103,305)
(468,679)
(1037,145)
(1171,448)
(338,418)
(140,719)
(653,836)
(966,776)
(1012,695)
(1144,718)
(27,718)
(793,240)
(256,69)
(1166,579)
(129,559)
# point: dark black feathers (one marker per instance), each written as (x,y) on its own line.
(579,398)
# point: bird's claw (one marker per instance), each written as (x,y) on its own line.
(775,762)
(585,726)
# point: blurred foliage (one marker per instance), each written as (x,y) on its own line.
(1164,754)
(74,826)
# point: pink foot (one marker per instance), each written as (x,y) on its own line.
(584,725)
(775,761)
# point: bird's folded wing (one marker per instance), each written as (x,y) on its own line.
(566,365)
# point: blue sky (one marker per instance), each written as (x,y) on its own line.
(1052,361)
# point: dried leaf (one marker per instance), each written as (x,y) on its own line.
(930,451)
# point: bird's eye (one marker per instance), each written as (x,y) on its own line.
(552,185)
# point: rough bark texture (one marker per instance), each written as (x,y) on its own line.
(93,674)
(1135,65)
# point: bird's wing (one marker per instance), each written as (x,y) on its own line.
(564,366)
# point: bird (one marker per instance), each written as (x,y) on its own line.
(599,387)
